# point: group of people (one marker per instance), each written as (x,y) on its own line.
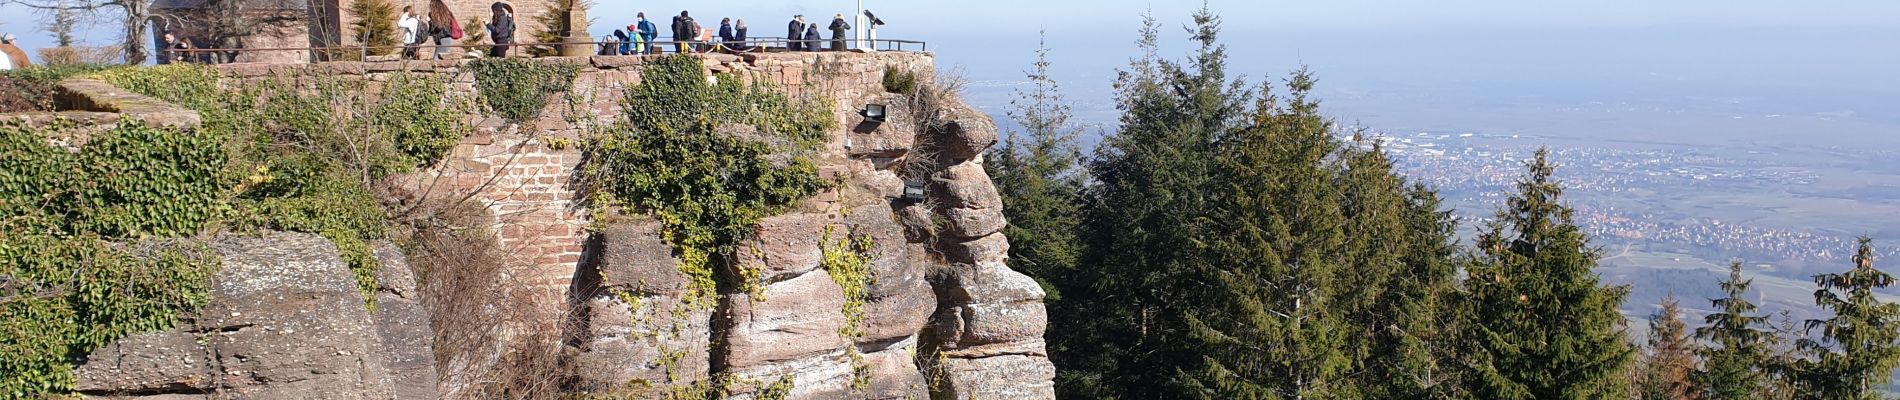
(441,29)
(642,37)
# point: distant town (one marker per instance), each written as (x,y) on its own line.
(1473,171)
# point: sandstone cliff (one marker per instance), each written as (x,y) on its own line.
(941,315)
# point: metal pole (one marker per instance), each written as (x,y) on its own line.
(857,29)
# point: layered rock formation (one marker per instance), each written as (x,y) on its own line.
(285,320)
(941,315)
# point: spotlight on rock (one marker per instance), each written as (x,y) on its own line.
(873,113)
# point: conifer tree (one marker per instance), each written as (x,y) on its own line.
(1544,328)
(1671,358)
(1038,174)
(1736,359)
(1414,352)
(1153,177)
(1275,324)
(1860,345)
(375,25)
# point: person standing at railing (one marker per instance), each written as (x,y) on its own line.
(813,42)
(501,28)
(795,31)
(838,29)
(725,34)
(625,42)
(409,26)
(443,28)
(685,30)
(739,39)
(648,33)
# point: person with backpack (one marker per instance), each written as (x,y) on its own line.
(501,28)
(444,28)
(838,28)
(794,32)
(411,32)
(648,33)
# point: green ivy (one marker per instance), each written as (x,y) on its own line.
(899,81)
(848,261)
(709,161)
(517,89)
(64,290)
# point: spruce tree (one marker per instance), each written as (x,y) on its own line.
(1543,327)
(1275,324)
(1736,359)
(1037,172)
(1671,358)
(1398,244)
(1860,345)
(1153,177)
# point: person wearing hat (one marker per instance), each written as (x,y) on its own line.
(794,32)
(838,28)
(16,58)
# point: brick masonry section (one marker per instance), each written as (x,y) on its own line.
(526,174)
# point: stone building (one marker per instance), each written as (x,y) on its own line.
(295,24)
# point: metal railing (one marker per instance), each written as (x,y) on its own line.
(427,50)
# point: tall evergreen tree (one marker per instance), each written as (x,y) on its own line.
(1860,345)
(1275,322)
(1037,172)
(1671,359)
(1153,176)
(1736,359)
(1545,328)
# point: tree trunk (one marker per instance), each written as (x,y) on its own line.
(136,23)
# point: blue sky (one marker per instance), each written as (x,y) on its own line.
(942,20)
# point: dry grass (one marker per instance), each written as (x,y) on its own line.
(81,55)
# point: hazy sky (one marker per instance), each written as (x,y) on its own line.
(942,20)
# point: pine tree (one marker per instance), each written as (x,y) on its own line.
(1414,353)
(1736,359)
(1671,358)
(1038,175)
(375,25)
(1858,349)
(1544,327)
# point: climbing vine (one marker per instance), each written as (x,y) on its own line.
(709,160)
(848,261)
(64,290)
(293,153)
(518,89)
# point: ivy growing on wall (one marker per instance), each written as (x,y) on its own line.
(294,153)
(518,89)
(709,160)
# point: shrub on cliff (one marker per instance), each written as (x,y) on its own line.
(702,158)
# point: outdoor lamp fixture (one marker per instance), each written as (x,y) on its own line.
(913,191)
(873,113)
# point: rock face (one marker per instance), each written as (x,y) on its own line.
(285,320)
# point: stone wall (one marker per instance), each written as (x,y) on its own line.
(946,317)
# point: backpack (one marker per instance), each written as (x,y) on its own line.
(455,30)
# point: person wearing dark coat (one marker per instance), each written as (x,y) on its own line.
(838,28)
(725,34)
(794,32)
(738,38)
(623,44)
(684,30)
(812,39)
(501,29)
